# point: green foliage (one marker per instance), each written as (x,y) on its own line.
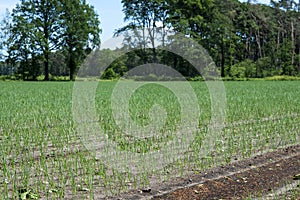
(39,29)
(296,177)
(197,78)
(81,34)
(282,78)
(244,69)
(109,74)
(25,194)
(250,38)
(245,40)
(237,71)
(264,68)
(57,64)
(34,31)
(153,77)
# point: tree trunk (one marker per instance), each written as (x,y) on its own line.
(258,44)
(293,42)
(299,59)
(277,49)
(175,62)
(152,38)
(222,59)
(71,74)
(248,48)
(71,66)
(46,65)
(144,46)
(46,51)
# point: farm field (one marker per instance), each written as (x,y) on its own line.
(43,157)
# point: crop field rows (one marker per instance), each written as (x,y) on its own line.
(42,155)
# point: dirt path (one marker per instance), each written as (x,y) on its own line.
(259,176)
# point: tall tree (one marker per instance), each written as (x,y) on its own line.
(81,32)
(5,27)
(36,29)
(147,19)
(222,39)
(191,17)
(41,27)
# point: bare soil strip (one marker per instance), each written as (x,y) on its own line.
(283,193)
(257,176)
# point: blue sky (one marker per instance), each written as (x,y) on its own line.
(110,13)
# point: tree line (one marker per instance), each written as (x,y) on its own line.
(48,36)
(245,40)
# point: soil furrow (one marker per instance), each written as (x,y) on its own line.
(257,176)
